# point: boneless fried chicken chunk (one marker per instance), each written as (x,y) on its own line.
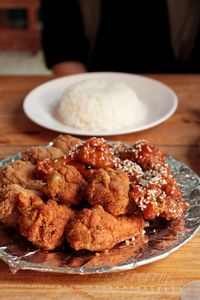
(96,230)
(35,154)
(62,181)
(109,188)
(148,156)
(27,208)
(43,223)
(175,207)
(9,197)
(45,167)
(96,153)
(66,184)
(22,173)
(161,196)
(66,142)
(85,157)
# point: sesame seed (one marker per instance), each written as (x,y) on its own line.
(127,242)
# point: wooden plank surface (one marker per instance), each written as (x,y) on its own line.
(179,136)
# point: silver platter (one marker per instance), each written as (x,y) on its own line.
(163,239)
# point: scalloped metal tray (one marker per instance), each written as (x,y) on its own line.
(163,239)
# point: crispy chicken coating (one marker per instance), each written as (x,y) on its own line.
(109,188)
(46,166)
(9,196)
(43,223)
(86,157)
(143,153)
(96,230)
(22,173)
(27,208)
(96,153)
(132,169)
(160,196)
(35,154)
(66,142)
(62,181)
(66,184)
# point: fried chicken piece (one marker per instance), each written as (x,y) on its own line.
(96,153)
(34,154)
(28,211)
(63,181)
(47,166)
(22,173)
(160,196)
(175,207)
(143,153)
(149,157)
(132,169)
(109,188)
(43,223)
(66,142)
(66,184)
(96,230)
(9,196)
(89,156)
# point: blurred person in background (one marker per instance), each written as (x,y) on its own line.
(160,36)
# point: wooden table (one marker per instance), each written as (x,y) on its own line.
(179,136)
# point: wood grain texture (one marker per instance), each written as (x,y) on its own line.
(179,136)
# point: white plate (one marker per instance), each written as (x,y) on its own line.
(159,100)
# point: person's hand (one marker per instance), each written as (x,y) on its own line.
(68,68)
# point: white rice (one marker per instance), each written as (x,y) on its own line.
(100,104)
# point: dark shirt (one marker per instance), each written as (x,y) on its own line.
(133,37)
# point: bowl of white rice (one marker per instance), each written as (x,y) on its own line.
(99,104)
